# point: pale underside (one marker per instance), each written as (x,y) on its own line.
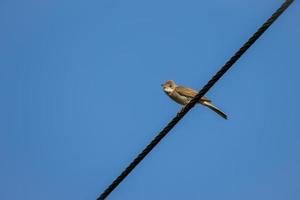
(183,95)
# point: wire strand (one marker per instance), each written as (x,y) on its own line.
(192,103)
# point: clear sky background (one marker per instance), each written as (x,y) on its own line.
(81,97)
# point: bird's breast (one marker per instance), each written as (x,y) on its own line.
(183,100)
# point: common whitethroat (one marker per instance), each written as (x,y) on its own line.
(183,95)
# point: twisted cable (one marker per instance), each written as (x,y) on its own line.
(192,103)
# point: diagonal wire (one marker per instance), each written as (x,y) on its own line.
(192,103)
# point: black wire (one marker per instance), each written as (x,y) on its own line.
(192,103)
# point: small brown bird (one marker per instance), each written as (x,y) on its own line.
(183,95)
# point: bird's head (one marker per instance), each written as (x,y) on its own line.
(169,86)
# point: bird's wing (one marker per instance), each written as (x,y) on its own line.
(184,91)
(189,92)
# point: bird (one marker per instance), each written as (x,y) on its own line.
(183,95)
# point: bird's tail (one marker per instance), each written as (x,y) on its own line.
(214,108)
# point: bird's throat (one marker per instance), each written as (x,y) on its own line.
(168,90)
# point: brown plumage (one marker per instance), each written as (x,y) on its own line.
(183,95)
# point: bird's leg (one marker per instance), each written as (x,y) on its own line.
(182,108)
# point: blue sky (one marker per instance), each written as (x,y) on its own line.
(81,97)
